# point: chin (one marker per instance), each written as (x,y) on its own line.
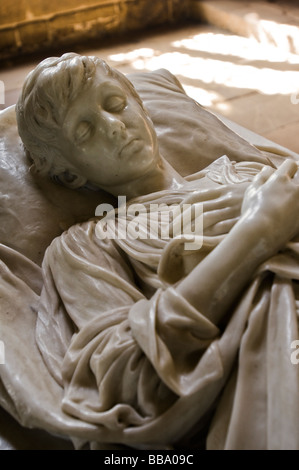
(147,166)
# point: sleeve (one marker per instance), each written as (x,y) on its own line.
(174,336)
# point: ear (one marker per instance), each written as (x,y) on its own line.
(71,180)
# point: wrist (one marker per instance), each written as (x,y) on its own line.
(261,232)
(214,282)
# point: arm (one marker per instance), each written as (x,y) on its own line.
(269,219)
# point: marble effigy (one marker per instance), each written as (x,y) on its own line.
(145,341)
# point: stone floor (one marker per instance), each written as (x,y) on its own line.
(256,85)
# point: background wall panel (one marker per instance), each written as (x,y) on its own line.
(28,26)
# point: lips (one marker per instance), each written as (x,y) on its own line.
(131,147)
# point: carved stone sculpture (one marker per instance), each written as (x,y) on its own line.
(148,340)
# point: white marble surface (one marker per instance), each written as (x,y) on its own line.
(15,437)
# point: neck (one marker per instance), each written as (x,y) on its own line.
(163,176)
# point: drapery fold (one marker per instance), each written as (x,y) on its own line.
(98,358)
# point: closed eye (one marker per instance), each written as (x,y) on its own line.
(115,103)
(83,131)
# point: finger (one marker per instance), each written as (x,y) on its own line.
(262,176)
(227,213)
(287,168)
(222,203)
(208,194)
(221,228)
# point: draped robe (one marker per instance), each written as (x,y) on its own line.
(123,359)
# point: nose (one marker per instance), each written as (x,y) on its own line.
(114,127)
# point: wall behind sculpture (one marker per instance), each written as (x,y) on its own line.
(30,25)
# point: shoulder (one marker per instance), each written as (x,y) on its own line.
(81,241)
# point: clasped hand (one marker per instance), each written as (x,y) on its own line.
(271,203)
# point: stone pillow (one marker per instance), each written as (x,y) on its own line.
(190,137)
